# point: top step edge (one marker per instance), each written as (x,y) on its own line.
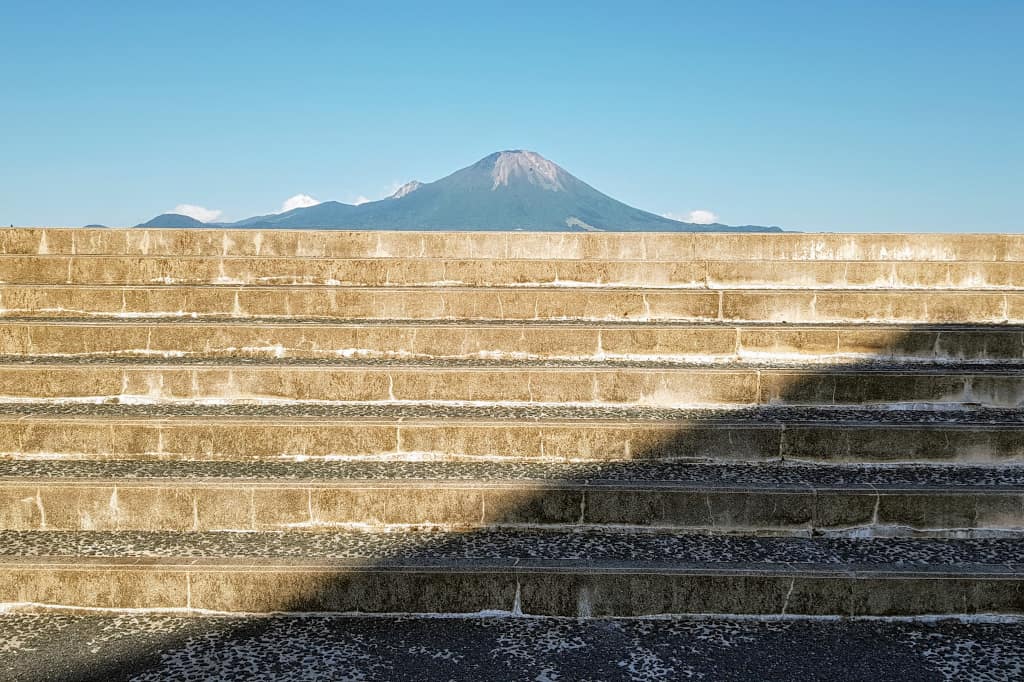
(393,258)
(742,246)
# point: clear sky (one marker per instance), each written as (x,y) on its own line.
(833,115)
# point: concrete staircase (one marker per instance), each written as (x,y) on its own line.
(551,424)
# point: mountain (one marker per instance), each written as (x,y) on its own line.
(509,190)
(173,220)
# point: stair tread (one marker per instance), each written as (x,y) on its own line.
(881,366)
(584,549)
(262,321)
(779,416)
(538,288)
(639,474)
(316,647)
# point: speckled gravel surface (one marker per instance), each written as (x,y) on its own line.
(519,412)
(66,648)
(543,322)
(651,550)
(677,474)
(816,368)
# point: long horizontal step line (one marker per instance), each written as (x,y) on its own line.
(507,289)
(639,475)
(807,246)
(657,259)
(97,432)
(441,365)
(510,324)
(497,413)
(495,547)
(522,386)
(324,303)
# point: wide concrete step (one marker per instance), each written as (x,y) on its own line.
(508,245)
(596,341)
(323,496)
(433,431)
(512,382)
(152,647)
(512,303)
(654,273)
(522,572)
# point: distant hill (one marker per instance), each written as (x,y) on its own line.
(510,190)
(173,220)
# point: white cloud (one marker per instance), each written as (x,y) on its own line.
(359,200)
(204,215)
(298,201)
(698,216)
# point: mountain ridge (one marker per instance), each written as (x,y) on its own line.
(507,190)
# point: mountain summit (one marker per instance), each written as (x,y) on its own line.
(509,190)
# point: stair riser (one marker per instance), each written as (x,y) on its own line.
(513,304)
(185,506)
(618,387)
(113,270)
(217,586)
(254,439)
(216,340)
(503,245)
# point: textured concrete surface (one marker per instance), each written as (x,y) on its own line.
(941,502)
(543,573)
(65,647)
(673,474)
(513,303)
(554,424)
(404,431)
(413,271)
(987,385)
(505,245)
(596,341)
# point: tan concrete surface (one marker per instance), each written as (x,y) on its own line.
(264,586)
(827,298)
(267,270)
(320,506)
(449,303)
(596,341)
(376,244)
(607,385)
(585,440)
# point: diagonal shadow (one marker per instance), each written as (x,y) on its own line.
(697,439)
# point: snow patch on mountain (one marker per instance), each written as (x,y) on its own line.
(530,166)
(407,188)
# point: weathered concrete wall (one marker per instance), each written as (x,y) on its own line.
(503,245)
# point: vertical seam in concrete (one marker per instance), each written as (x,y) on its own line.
(878,504)
(115,508)
(789,593)
(41,508)
(517,600)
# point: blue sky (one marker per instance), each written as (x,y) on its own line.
(832,115)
